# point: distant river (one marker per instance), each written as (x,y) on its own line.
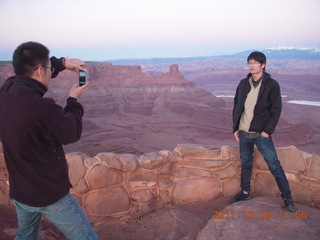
(232,96)
(225,95)
(309,103)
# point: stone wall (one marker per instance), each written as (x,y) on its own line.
(127,186)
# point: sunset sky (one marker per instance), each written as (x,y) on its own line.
(111,29)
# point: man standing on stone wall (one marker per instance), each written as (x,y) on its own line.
(32,130)
(256,112)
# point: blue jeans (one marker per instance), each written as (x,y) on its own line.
(66,214)
(266,148)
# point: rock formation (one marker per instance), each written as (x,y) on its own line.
(261,218)
(135,185)
(128,111)
(122,174)
(126,187)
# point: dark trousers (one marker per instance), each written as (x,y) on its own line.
(267,149)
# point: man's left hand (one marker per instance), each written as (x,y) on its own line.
(75,64)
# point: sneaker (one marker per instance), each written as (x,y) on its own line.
(241,196)
(288,205)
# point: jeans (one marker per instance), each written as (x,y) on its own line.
(66,214)
(267,149)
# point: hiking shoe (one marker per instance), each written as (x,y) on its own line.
(288,205)
(241,196)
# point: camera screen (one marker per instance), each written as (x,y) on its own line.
(82,74)
(82,78)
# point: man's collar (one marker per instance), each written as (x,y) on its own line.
(30,84)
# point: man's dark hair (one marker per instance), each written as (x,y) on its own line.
(28,56)
(259,57)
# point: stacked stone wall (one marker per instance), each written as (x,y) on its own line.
(127,186)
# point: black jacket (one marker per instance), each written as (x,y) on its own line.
(32,130)
(268,107)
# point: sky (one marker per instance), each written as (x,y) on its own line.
(97,30)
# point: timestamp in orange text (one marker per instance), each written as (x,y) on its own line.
(259,214)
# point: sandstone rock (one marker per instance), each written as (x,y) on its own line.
(228,172)
(143,196)
(230,187)
(313,170)
(198,151)
(77,171)
(194,190)
(204,163)
(261,181)
(81,187)
(300,193)
(101,176)
(234,154)
(293,176)
(166,169)
(165,181)
(165,197)
(262,218)
(151,160)
(141,179)
(90,162)
(310,182)
(122,162)
(315,199)
(287,156)
(185,172)
(174,222)
(107,201)
(142,210)
(172,157)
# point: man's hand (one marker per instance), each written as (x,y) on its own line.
(236,136)
(76,91)
(264,134)
(75,64)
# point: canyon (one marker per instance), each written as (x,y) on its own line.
(153,130)
(138,109)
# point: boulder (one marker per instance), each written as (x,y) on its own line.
(107,202)
(195,190)
(262,218)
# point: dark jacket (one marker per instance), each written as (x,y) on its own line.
(32,130)
(268,107)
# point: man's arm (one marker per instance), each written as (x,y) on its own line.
(72,64)
(69,127)
(275,109)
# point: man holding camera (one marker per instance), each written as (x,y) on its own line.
(32,130)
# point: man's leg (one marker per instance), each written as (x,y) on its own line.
(268,151)
(246,155)
(68,217)
(29,221)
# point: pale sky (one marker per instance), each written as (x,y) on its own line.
(111,29)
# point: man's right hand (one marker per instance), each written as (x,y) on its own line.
(236,136)
(76,91)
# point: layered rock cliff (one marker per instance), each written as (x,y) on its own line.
(128,111)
